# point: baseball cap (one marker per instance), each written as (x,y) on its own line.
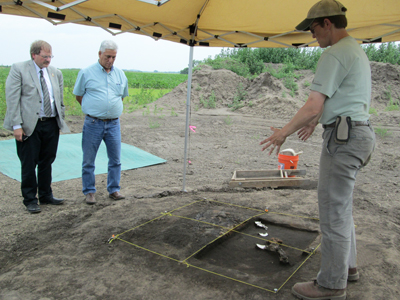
(324,8)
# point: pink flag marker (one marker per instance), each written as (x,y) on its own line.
(192,128)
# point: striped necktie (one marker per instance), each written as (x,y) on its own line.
(46,96)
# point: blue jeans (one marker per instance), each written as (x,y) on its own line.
(94,131)
(339,166)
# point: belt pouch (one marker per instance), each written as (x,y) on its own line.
(342,129)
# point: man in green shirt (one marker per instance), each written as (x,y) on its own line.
(341,88)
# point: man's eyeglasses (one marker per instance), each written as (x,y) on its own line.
(46,56)
(313,28)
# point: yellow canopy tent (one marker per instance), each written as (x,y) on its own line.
(213,23)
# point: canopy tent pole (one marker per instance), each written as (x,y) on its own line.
(189,89)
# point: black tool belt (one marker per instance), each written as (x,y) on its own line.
(353,123)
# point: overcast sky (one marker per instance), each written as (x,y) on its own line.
(77,46)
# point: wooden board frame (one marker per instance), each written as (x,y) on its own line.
(268,178)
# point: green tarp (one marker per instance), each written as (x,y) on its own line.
(68,164)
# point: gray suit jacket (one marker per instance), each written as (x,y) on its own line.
(23,97)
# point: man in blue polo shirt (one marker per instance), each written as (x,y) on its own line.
(100,89)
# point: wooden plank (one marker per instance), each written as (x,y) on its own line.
(279,182)
(234,175)
(266,178)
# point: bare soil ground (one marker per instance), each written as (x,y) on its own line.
(63,252)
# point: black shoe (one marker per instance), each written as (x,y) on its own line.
(53,201)
(33,208)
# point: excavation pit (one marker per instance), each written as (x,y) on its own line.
(236,255)
(221,239)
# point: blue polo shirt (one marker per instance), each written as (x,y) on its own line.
(102,92)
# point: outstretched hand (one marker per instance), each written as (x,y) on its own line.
(305,132)
(275,140)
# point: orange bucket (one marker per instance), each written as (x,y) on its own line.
(288,162)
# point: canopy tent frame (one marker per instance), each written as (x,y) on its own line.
(62,7)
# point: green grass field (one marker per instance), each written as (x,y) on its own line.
(140,97)
(144,88)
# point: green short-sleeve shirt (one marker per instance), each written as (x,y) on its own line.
(344,75)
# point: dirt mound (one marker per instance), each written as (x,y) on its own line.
(385,92)
(208,87)
(267,96)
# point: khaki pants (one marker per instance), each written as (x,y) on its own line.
(339,165)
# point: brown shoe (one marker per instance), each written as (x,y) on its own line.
(117,196)
(353,275)
(313,291)
(90,199)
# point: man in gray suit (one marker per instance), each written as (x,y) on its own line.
(35,112)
